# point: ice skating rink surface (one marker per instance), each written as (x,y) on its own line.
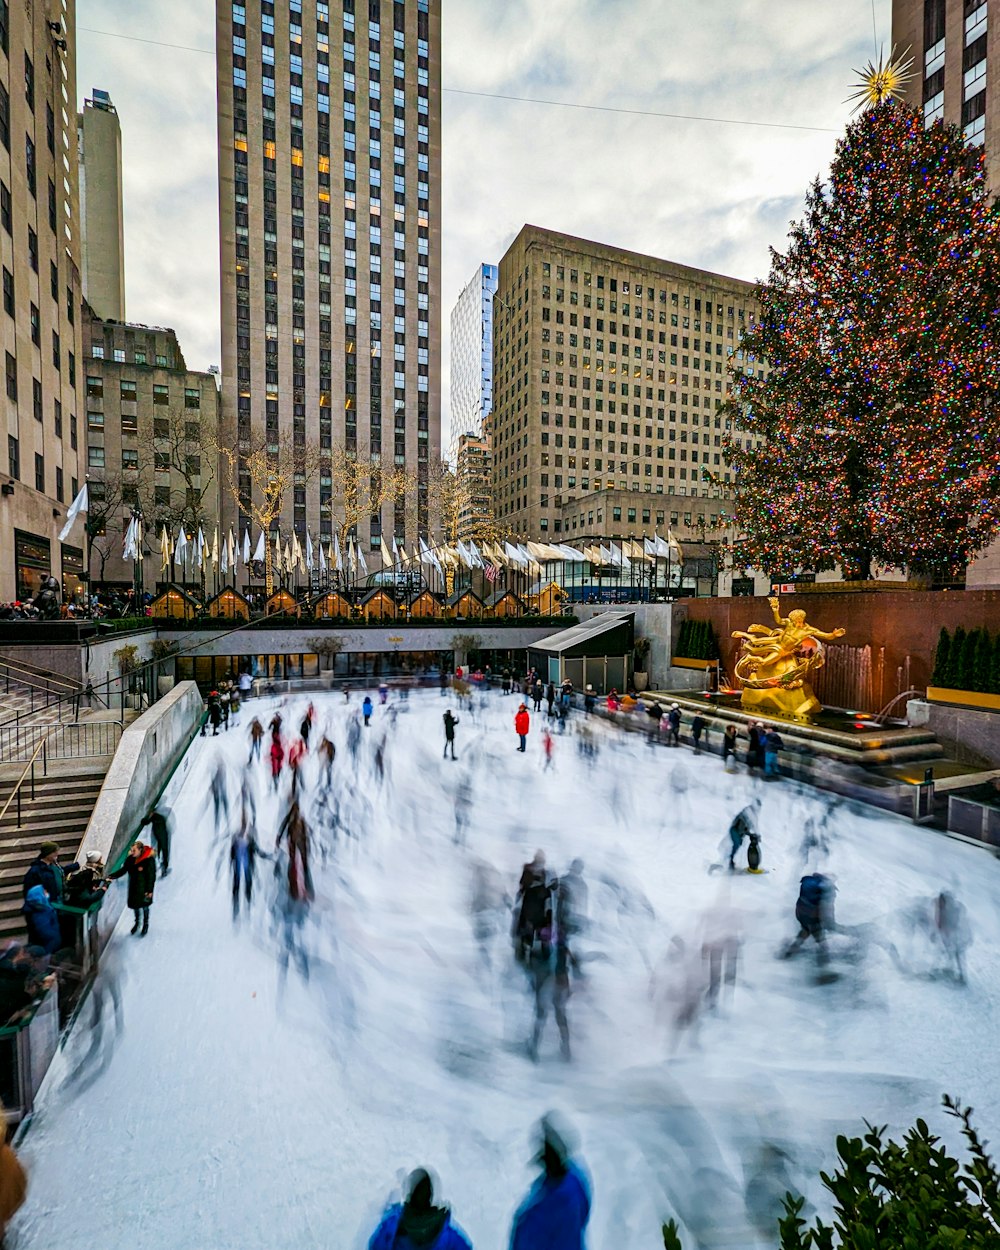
(267,1081)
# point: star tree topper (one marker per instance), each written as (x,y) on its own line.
(881,80)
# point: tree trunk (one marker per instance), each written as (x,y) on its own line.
(268,569)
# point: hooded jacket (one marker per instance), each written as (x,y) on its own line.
(51,876)
(521,721)
(404,1229)
(42,920)
(141,870)
(554,1215)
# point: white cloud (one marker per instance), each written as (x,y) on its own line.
(703,193)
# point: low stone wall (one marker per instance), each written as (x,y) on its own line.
(149,750)
(967,734)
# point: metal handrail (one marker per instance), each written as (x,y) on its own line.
(35,670)
(16,792)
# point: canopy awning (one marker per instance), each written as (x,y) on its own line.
(581,637)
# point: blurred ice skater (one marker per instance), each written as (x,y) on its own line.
(555,1213)
(416,1223)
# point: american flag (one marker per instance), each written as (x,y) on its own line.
(492,572)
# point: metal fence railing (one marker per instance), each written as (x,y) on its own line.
(70,741)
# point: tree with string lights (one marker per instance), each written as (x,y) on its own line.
(870,384)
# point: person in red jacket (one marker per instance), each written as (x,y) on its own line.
(140,865)
(521,725)
(277,758)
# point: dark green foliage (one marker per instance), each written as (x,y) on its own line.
(941,659)
(982,663)
(909,1195)
(967,663)
(955,658)
(697,641)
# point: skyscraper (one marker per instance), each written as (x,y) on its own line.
(610,368)
(954,58)
(101,215)
(471,399)
(40,318)
(329,196)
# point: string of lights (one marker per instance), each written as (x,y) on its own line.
(870,437)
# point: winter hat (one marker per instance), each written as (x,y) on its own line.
(47,848)
(673,705)
(93,857)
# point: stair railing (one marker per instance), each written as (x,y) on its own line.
(29,767)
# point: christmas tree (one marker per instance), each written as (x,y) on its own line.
(875,431)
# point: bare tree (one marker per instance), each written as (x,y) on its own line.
(260,473)
(363,487)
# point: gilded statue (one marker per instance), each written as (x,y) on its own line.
(775,661)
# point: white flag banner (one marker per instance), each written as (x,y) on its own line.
(80,504)
(352,564)
(180,547)
(133,537)
(338,562)
(309,552)
(362,562)
(259,550)
(246,545)
(322,558)
(224,558)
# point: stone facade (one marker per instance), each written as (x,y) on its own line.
(40,319)
(330,224)
(101,212)
(151,430)
(609,370)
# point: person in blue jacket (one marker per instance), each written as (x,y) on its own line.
(417,1224)
(554,1215)
(42,920)
(366,709)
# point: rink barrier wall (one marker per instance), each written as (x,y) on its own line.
(150,751)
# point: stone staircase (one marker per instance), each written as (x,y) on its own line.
(27,690)
(59,812)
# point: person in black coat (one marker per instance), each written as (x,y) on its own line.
(450,721)
(160,831)
(141,868)
(45,871)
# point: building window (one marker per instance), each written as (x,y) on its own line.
(39,473)
(11,377)
(59,484)
(13,458)
(33,249)
(95,387)
(36,399)
(5,208)
(192,397)
(128,391)
(130,458)
(29,162)
(8,292)
(161,395)
(95,457)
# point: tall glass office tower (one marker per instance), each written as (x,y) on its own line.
(472,359)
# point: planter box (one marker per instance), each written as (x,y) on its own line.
(701,665)
(965,698)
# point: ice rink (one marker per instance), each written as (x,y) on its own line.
(269,1080)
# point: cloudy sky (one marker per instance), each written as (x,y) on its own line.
(708,193)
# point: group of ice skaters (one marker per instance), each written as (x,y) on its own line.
(928,937)
(325,794)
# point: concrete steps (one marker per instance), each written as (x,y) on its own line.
(59,812)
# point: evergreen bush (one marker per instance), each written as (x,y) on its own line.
(955,658)
(940,672)
(967,664)
(909,1195)
(983,662)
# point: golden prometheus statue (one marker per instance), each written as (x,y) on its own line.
(774,663)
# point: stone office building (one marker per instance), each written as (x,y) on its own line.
(610,369)
(40,321)
(330,223)
(151,437)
